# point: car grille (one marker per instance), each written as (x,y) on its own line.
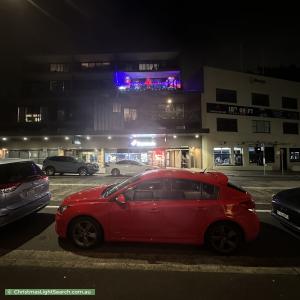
(294,217)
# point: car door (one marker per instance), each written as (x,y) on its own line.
(139,218)
(184,207)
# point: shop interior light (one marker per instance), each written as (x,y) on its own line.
(67,138)
(25,138)
(4,139)
(46,138)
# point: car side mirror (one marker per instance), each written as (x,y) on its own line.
(121,199)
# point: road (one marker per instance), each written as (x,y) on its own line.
(31,256)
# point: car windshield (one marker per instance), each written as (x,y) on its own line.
(116,187)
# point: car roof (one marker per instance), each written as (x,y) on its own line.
(209,177)
(13,160)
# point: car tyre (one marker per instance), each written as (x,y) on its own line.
(82,171)
(50,171)
(224,237)
(85,232)
(115,172)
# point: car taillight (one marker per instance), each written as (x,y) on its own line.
(248,204)
(9,187)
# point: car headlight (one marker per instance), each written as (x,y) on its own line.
(62,208)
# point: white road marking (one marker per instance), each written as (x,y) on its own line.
(52,206)
(79,184)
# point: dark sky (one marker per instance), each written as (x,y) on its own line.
(226,35)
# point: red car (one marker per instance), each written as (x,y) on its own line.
(164,206)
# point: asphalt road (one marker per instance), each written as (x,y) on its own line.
(31,256)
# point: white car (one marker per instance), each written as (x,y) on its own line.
(127,167)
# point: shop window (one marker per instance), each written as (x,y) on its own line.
(259,126)
(269,155)
(256,155)
(223,95)
(222,156)
(294,154)
(229,125)
(117,107)
(291,103)
(130,114)
(238,156)
(290,128)
(260,99)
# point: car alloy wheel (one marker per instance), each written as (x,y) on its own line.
(83,171)
(224,237)
(85,232)
(50,171)
(115,172)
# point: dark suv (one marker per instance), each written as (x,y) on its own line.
(68,164)
(24,189)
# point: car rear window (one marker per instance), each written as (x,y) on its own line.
(14,172)
(236,187)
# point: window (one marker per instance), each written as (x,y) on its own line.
(194,190)
(261,126)
(291,103)
(294,154)
(57,86)
(29,114)
(260,99)
(146,190)
(59,68)
(117,107)
(223,95)
(148,67)
(130,114)
(171,111)
(222,156)
(94,65)
(227,125)
(290,128)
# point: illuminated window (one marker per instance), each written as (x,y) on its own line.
(117,107)
(94,65)
(59,68)
(222,156)
(171,111)
(130,114)
(294,154)
(148,67)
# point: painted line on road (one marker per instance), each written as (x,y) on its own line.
(69,260)
(79,184)
(52,206)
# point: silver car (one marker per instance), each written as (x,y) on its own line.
(24,189)
(127,167)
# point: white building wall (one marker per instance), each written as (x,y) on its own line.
(245,85)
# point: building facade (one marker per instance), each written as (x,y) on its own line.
(253,121)
(104,108)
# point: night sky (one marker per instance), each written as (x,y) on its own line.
(224,35)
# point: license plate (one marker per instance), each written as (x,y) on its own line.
(280,213)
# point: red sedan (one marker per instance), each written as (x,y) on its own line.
(164,206)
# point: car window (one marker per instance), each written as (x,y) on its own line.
(135,163)
(194,190)
(14,172)
(122,162)
(146,190)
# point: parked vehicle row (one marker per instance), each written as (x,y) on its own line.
(163,206)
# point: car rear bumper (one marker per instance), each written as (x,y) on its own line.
(15,214)
(250,225)
(285,222)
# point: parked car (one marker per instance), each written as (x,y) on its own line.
(166,206)
(286,208)
(24,189)
(127,167)
(68,164)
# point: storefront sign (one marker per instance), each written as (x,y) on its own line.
(137,143)
(251,111)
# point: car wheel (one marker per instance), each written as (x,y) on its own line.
(85,232)
(224,237)
(115,172)
(82,171)
(50,171)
